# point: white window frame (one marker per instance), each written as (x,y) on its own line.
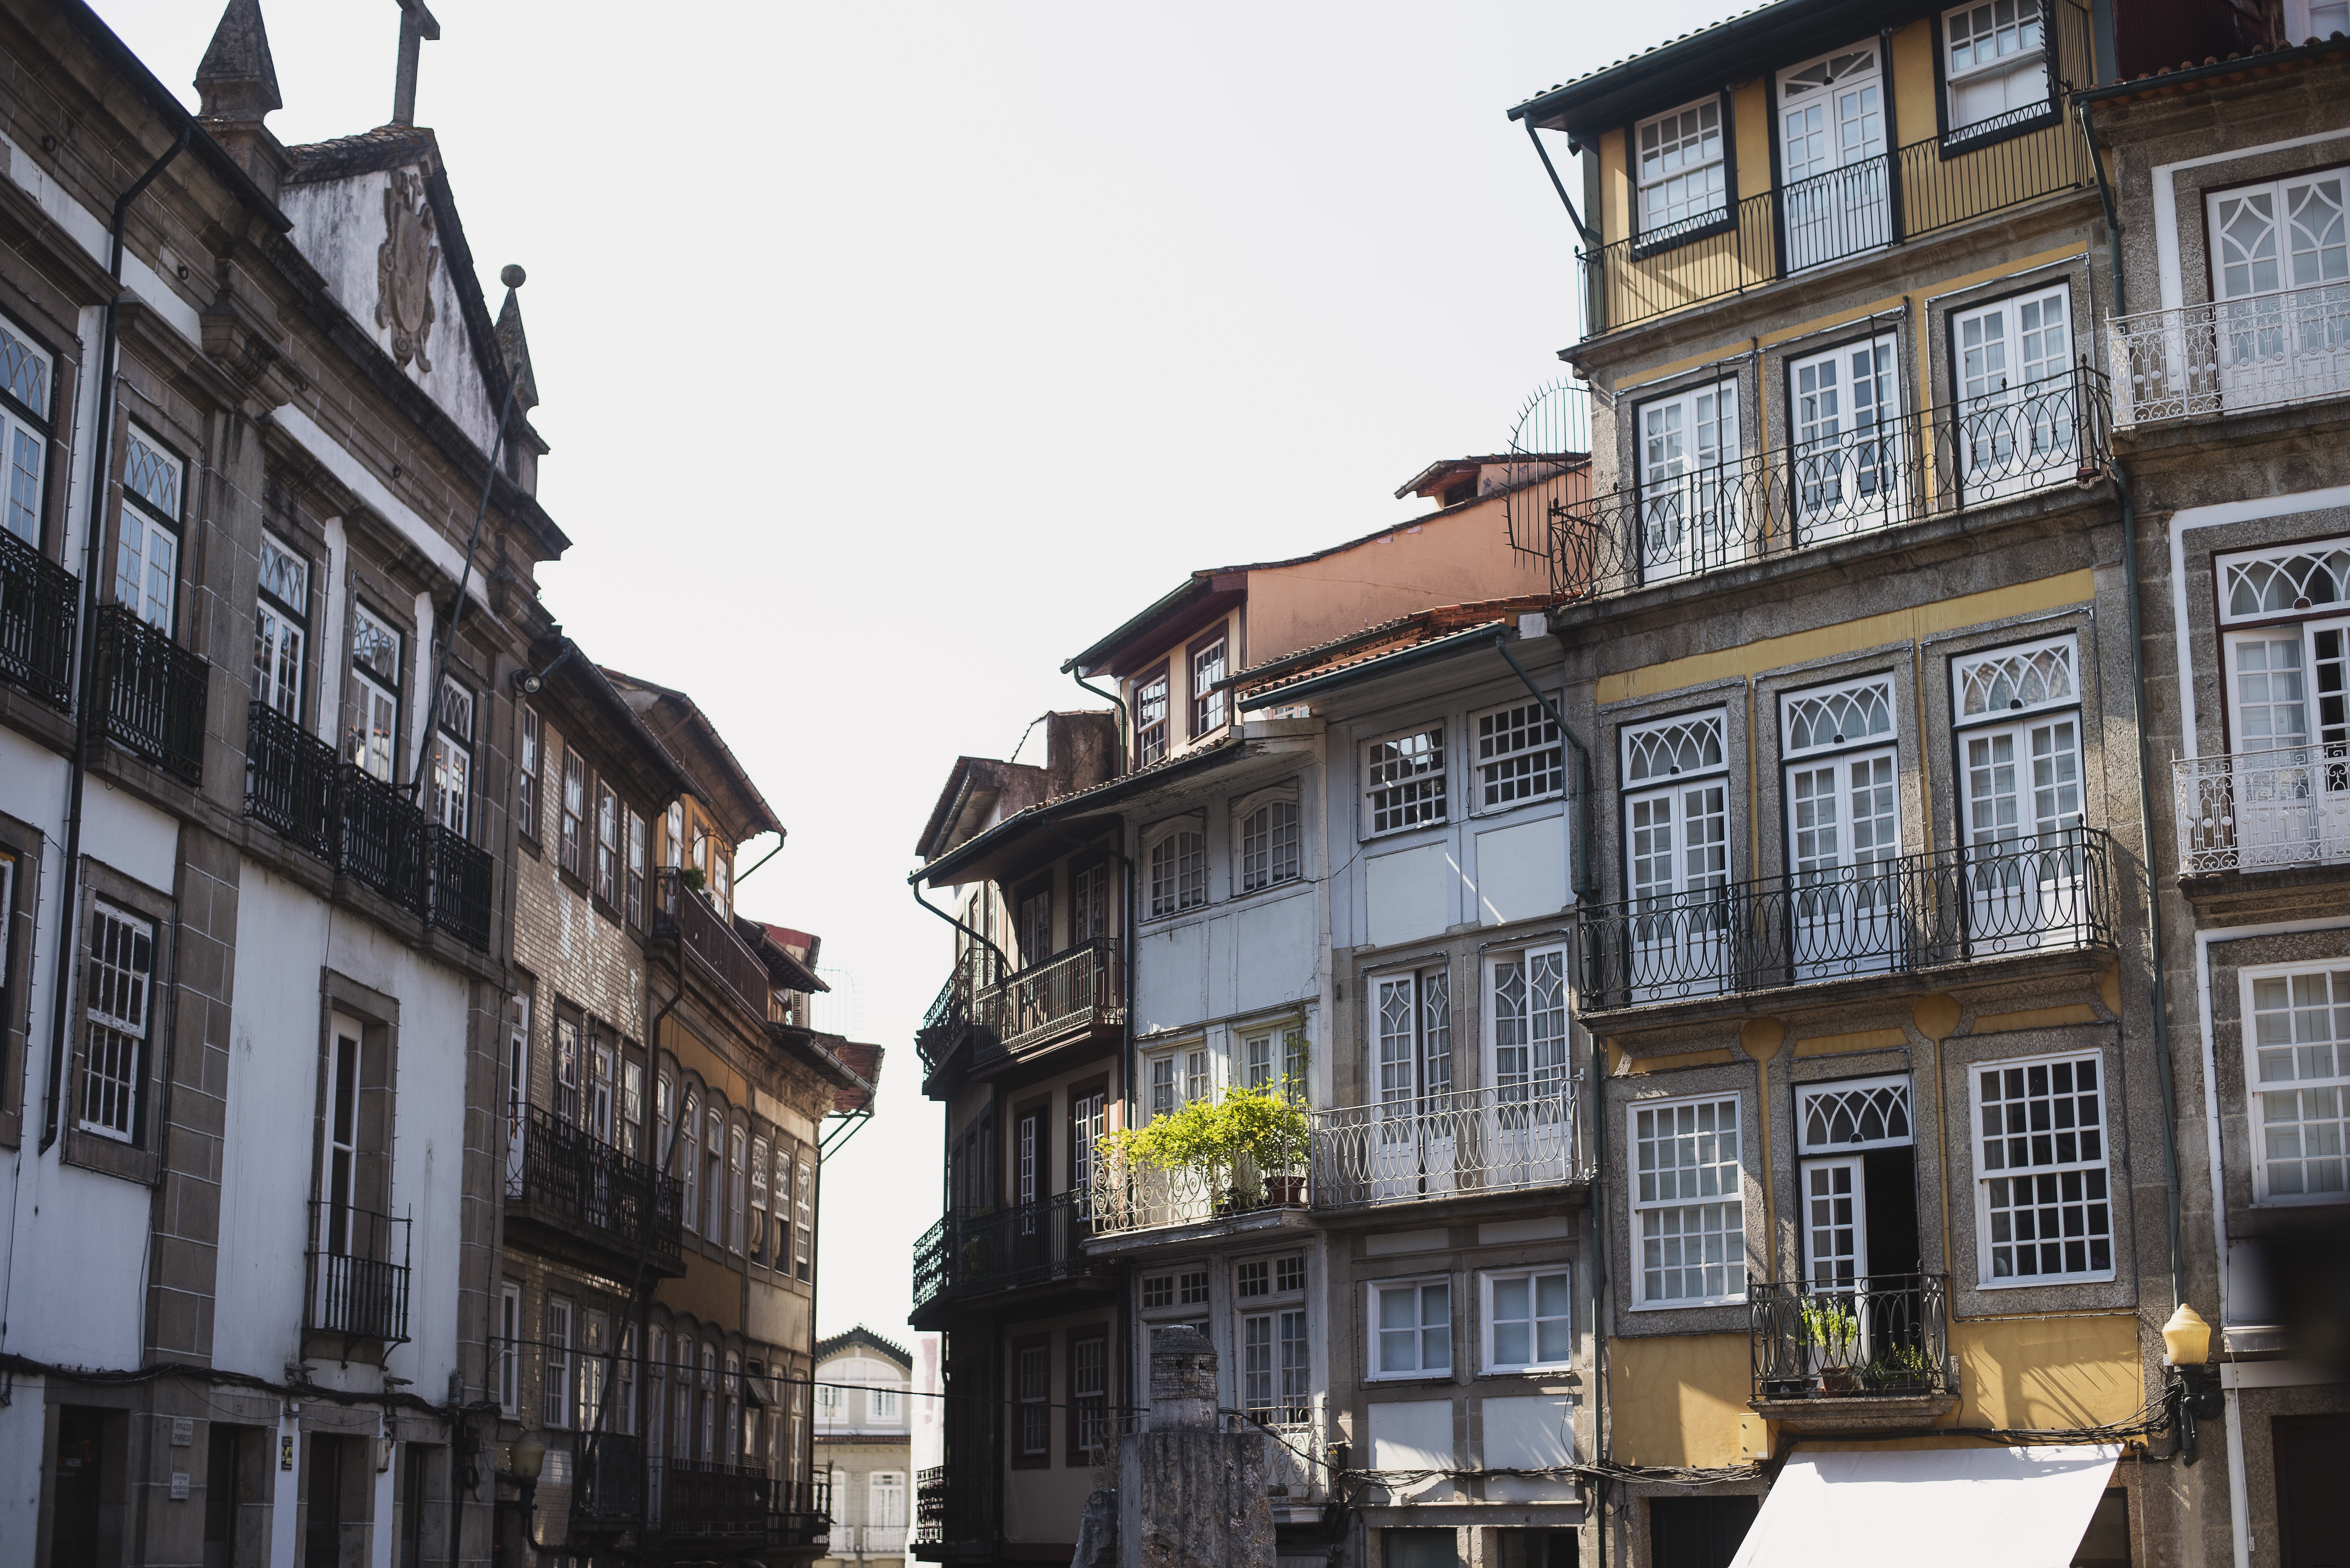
(1175,865)
(1537,1080)
(1152,736)
(453,758)
(2011,64)
(527,780)
(1685,453)
(28,386)
(1491,1363)
(803,1217)
(1412,1066)
(1418,788)
(281,625)
(1038,1404)
(1705,124)
(2258,1087)
(2028,705)
(1698,771)
(1734,1293)
(509,1372)
(374,693)
(2288,273)
(2102,1165)
(1375,1350)
(885,1500)
(1515,748)
(1275,1056)
(1268,839)
(1206,666)
(143,570)
(1845,432)
(555,1386)
(1189,1075)
(123,946)
(1846,915)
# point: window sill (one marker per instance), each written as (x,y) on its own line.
(1552,1369)
(2041,1282)
(1375,835)
(1199,908)
(1443,1374)
(1690,1303)
(1552,799)
(1990,132)
(1269,888)
(1688,232)
(110,1157)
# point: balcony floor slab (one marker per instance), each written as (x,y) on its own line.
(1856,1412)
(1254,1222)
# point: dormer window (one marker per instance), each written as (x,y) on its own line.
(1150,720)
(1209,667)
(1995,62)
(1681,176)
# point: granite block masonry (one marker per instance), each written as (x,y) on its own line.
(1191,1492)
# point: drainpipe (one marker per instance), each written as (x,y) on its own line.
(101,466)
(1126,1060)
(1114,700)
(1578,790)
(914,885)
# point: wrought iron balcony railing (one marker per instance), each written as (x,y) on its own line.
(955,1010)
(1079,990)
(1128,1197)
(290,781)
(1763,506)
(1498,1139)
(380,844)
(354,1285)
(970,1255)
(1886,1335)
(687,918)
(457,885)
(151,694)
(931,1506)
(801,1514)
(1904,195)
(1912,912)
(2232,356)
(40,602)
(2261,811)
(608,1468)
(590,1187)
(868,1540)
(711,1497)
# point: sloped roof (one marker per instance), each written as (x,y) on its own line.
(862,1335)
(1279,678)
(865,1061)
(751,808)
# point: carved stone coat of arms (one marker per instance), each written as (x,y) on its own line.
(403,269)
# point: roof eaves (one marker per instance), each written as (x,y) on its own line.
(1193,587)
(1390,663)
(2189,73)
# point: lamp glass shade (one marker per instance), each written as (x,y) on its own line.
(2185,1338)
(527,1456)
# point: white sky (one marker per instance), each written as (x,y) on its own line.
(891,354)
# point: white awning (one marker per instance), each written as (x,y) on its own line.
(1930,1508)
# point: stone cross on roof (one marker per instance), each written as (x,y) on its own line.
(416,25)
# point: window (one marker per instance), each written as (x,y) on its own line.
(1150,720)
(2012,360)
(1529,1320)
(27,382)
(632,906)
(781,1187)
(682,1427)
(2298,1051)
(599,1086)
(885,1500)
(574,810)
(1208,706)
(1676,852)
(1177,1078)
(1857,1174)
(1088,1393)
(1276,1374)
(1027,1160)
(1997,66)
(673,835)
(656,1411)
(804,1241)
(527,776)
(1033,926)
(2279,235)
(734,1390)
(1844,828)
(737,1181)
(632,1109)
(371,702)
(1518,756)
(1089,903)
(624,1418)
(1412,1328)
(2018,710)
(1844,409)
(555,1359)
(1253,1278)
(1275,1061)
(1689,1203)
(567,1103)
(280,617)
(118,1000)
(517,1086)
(1529,1012)
(1178,871)
(1679,170)
(592,1393)
(714,1177)
(1269,844)
(709,1402)
(453,758)
(509,1368)
(828,1400)
(1404,780)
(1834,189)
(1088,1125)
(1413,1016)
(758,1199)
(1689,495)
(608,843)
(886,1404)
(2043,1210)
(689,1166)
(340,1139)
(1035,1413)
(147,542)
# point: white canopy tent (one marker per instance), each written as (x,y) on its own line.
(1930,1508)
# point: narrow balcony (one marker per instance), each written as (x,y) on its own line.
(968,1256)
(801,1516)
(1461,1144)
(457,885)
(955,1011)
(1069,995)
(150,694)
(954,1520)
(1129,1198)
(1851,1356)
(379,838)
(609,1476)
(1765,505)
(39,603)
(2232,357)
(355,1286)
(574,1195)
(686,916)
(711,1499)
(290,781)
(1923,911)
(2263,811)
(856,1540)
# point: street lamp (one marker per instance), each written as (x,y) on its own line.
(526,1458)
(2187,1348)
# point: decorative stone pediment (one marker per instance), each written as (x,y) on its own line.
(403,269)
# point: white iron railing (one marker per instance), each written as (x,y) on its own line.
(2228,356)
(867,1541)
(1130,1196)
(2255,810)
(1495,1140)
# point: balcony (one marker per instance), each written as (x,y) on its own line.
(956,1519)
(290,781)
(2262,810)
(868,1540)
(457,885)
(1765,505)
(608,1472)
(151,693)
(39,603)
(353,1286)
(2232,357)
(1127,1199)
(710,1498)
(1072,994)
(687,918)
(1915,912)
(571,1187)
(1841,1358)
(954,1011)
(801,1515)
(1461,1144)
(379,843)
(967,1255)
(1875,204)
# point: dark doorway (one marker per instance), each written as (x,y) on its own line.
(2313,1455)
(322,1532)
(223,1495)
(1536,1548)
(1698,1532)
(78,1487)
(1890,1177)
(1419,1548)
(2105,1543)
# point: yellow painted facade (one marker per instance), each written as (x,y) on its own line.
(1677,1400)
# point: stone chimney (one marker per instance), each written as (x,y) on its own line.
(236,83)
(1080,751)
(1190,1493)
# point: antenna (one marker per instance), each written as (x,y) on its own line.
(1549,465)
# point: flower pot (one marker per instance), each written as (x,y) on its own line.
(1839,1380)
(1786,1388)
(1284,1192)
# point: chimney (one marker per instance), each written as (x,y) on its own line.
(236,83)
(1080,751)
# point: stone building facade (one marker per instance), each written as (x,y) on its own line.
(864,1444)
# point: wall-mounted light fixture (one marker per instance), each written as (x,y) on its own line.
(2195,1382)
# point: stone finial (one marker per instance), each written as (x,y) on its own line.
(514,347)
(237,80)
(1182,1379)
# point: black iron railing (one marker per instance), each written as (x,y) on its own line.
(356,1285)
(1912,912)
(1759,506)
(711,1497)
(289,780)
(800,1514)
(1070,992)
(151,694)
(609,1470)
(687,918)
(380,842)
(956,1009)
(1887,1335)
(1022,1245)
(457,885)
(931,1495)
(39,603)
(585,1182)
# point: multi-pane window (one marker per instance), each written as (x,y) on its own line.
(737,1180)
(2047,1211)
(1411,1324)
(688,1165)
(1209,705)
(1518,756)
(1276,1367)
(2288,233)
(713,1176)
(1689,1203)
(1253,1278)
(1404,780)
(280,618)
(1412,1014)
(1676,810)
(118,1000)
(1035,1410)
(371,698)
(674,836)
(2300,1071)
(758,1243)
(2016,428)
(1689,496)
(555,1390)
(2018,711)
(803,1239)
(1034,925)
(632,904)
(27,382)
(1275,1061)
(1529,1010)
(632,1109)
(1088,1393)
(1090,902)
(147,542)
(1027,1158)
(1177,1078)
(526,775)
(574,810)
(1529,1320)
(1088,1125)
(709,1401)
(780,1186)
(1844,405)
(1997,63)
(885,1500)
(1680,172)
(1150,720)
(509,1356)
(1178,871)
(1843,825)
(339,1149)
(567,1103)
(453,758)
(608,843)
(1269,844)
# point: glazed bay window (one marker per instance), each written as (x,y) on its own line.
(1518,756)
(1529,1320)
(1996,66)
(371,699)
(1403,781)
(119,1004)
(2044,1210)
(608,843)
(1210,706)
(1269,839)
(27,383)
(1680,172)
(147,541)
(575,811)
(1178,857)
(452,759)
(1412,1328)
(1150,720)
(1688,1208)
(280,623)
(2299,1046)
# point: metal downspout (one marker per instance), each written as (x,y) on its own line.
(101,466)
(1114,700)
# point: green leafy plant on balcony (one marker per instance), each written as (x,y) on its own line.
(1832,1332)
(1238,1144)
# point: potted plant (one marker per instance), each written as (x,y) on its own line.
(1903,1369)
(1265,1133)
(1832,1334)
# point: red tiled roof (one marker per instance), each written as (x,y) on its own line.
(865,1061)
